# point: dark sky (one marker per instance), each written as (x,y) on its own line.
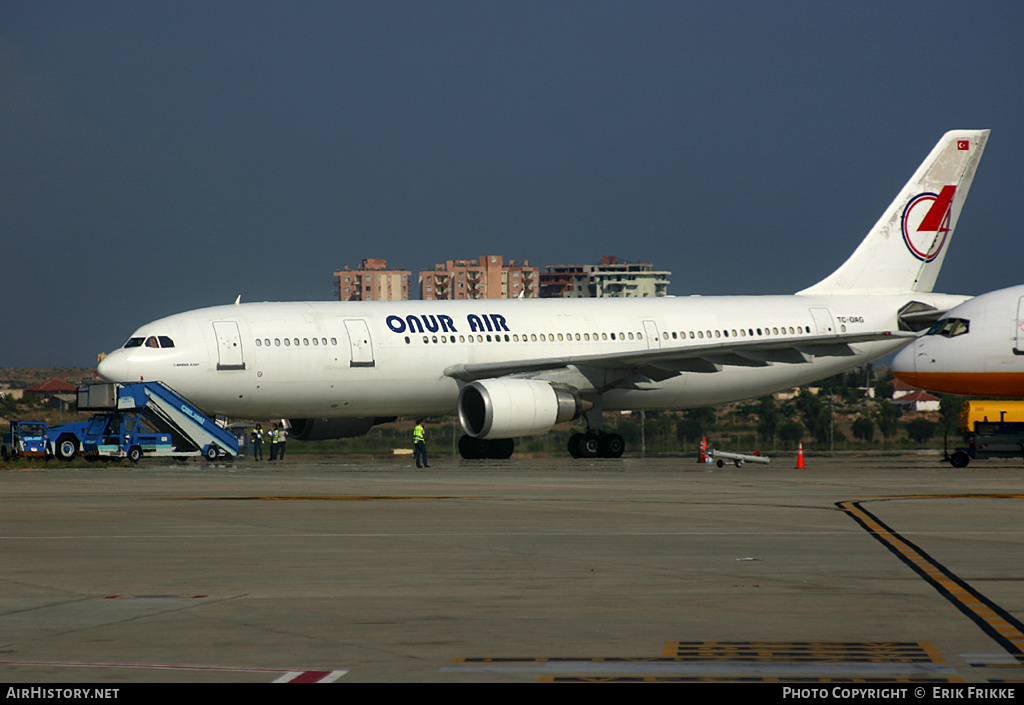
(162,156)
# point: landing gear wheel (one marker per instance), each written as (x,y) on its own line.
(500,448)
(472,448)
(590,446)
(611,445)
(492,449)
(575,440)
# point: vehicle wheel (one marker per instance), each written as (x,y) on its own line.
(501,448)
(4,455)
(612,445)
(67,447)
(135,454)
(212,452)
(720,463)
(960,459)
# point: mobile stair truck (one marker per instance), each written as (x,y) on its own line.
(142,419)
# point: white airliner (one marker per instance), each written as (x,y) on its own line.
(514,368)
(976,349)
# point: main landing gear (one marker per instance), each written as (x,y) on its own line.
(596,444)
(592,444)
(483,449)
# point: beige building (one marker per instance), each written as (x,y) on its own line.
(372,281)
(487,278)
(610,278)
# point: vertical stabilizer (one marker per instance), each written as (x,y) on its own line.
(905,249)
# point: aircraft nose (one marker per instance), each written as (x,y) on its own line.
(114,367)
(906,359)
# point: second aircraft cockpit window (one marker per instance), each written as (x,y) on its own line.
(950,327)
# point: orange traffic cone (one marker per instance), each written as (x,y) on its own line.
(702,456)
(800,457)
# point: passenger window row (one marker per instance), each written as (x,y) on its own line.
(524,338)
(584,337)
(294,342)
(739,333)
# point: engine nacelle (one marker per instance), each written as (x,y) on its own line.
(327,429)
(507,408)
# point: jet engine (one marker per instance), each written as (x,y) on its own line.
(326,429)
(507,408)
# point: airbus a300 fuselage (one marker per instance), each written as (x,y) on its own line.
(517,367)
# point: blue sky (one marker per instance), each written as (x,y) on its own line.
(157,157)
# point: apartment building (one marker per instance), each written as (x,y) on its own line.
(487,278)
(610,278)
(372,281)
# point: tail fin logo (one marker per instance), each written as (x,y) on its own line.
(926,223)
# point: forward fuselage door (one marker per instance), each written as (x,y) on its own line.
(229,346)
(359,341)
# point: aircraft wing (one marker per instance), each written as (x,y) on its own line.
(662,363)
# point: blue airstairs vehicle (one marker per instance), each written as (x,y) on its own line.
(140,420)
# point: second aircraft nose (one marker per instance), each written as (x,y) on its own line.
(906,359)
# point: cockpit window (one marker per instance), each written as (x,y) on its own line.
(153,341)
(950,327)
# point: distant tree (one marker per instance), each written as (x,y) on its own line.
(790,432)
(887,417)
(659,430)
(920,430)
(949,409)
(768,419)
(814,414)
(884,389)
(863,428)
(8,406)
(695,423)
(835,383)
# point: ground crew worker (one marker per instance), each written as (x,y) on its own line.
(257,443)
(419,444)
(273,443)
